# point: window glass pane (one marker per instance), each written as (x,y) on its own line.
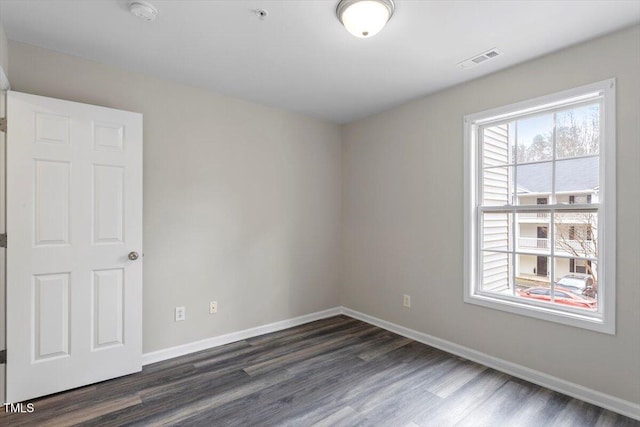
(534,138)
(540,293)
(496,231)
(576,198)
(496,272)
(578,131)
(578,177)
(532,270)
(532,231)
(576,234)
(532,277)
(576,277)
(533,183)
(497,186)
(496,142)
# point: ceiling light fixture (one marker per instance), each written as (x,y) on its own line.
(143,10)
(364,18)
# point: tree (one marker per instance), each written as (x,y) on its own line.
(577,234)
(577,134)
(539,149)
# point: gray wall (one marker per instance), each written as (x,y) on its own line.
(241,201)
(403,230)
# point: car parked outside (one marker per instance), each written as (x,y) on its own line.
(561,296)
(579,283)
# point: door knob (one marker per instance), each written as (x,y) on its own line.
(133,256)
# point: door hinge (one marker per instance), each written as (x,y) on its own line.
(3,356)
(3,240)
(3,124)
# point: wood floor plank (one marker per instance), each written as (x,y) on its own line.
(399,407)
(175,399)
(365,339)
(456,377)
(457,406)
(345,417)
(87,413)
(200,404)
(307,330)
(301,354)
(611,419)
(384,348)
(540,408)
(266,352)
(577,412)
(334,372)
(357,387)
(314,394)
(198,356)
(53,403)
(498,409)
(142,381)
(287,402)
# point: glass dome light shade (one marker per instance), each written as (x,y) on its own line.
(364,18)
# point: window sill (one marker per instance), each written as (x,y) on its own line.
(594,322)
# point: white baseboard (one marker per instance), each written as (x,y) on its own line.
(181,350)
(603,400)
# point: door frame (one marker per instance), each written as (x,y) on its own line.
(4,87)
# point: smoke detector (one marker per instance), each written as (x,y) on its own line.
(479,59)
(262,13)
(143,10)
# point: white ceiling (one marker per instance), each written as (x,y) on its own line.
(300,58)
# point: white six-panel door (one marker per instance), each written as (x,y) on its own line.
(74,216)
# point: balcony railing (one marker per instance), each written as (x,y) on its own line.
(532,215)
(533,243)
(570,218)
(569,247)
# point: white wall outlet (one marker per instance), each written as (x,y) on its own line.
(406,301)
(213,307)
(181,314)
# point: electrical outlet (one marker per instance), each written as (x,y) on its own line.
(181,314)
(213,307)
(406,301)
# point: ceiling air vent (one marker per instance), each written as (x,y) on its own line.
(478,59)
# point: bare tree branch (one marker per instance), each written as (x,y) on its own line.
(582,242)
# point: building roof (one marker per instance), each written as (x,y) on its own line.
(571,175)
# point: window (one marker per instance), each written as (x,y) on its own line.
(540,207)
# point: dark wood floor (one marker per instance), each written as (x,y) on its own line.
(333,372)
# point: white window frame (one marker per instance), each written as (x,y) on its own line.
(604,319)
